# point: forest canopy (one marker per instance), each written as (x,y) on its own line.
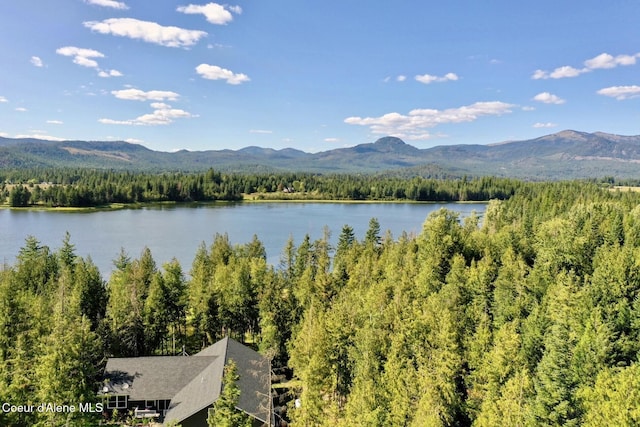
(88,188)
(527,316)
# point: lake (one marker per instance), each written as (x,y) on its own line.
(177,230)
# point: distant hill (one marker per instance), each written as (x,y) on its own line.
(566,154)
(563,155)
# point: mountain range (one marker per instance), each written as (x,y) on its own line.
(563,155)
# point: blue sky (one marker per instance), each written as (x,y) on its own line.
(316,75)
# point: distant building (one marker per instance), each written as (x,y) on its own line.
(184,388)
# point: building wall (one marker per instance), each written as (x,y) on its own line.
(198,419)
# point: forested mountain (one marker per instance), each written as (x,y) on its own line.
(531,318)
(564,155)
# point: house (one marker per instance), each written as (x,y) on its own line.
(184,388)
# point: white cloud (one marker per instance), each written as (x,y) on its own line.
(163,114)
(21,109)
(566,71)
(140,95)
(55,122)
(262,131)
(84,57)
(332,140)
(213,72)
(528,108)
(160,106)
(427,78)
(413,125)
(602,61)
(559,73)
(81,56)
(621,92)
(214,12)
(548,98)
(545,125)
(109,73)
(3,99)
(108,3)
(37,62)
(133,141)
(38,135)
(147,31)
(401,78)
(540,74)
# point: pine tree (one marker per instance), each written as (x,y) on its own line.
(346,239)
(614,400)
(311,362)
(554,383)
(202,301)
(68,356)
(92,290)
(511,406)
(225,412)
(18,341)
(36,268)
(66,254)
(372,237)
(19,196)
(128,288)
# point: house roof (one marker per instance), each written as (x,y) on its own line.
(193,383)
(151,378)
(254,383)
(201,392)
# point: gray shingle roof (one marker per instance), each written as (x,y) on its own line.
(254,383)
(193,383)
(151,378)
(201,392)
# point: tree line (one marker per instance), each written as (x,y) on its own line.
(529,315)
(88,188)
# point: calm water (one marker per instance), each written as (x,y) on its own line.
(177,231)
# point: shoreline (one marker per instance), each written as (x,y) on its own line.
(399,201)
(120,206)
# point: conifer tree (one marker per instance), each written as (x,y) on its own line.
(311,362)
(68,356)
(128,288)
(554,383)
(372,237)
(614,400)
(225,412)
(202,300)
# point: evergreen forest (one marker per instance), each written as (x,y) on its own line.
(528,316)
(94,188)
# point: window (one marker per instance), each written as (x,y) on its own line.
(116,402)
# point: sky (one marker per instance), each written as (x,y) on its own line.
(316,75)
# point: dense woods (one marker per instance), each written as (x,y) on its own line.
(86,188)
(528,316)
